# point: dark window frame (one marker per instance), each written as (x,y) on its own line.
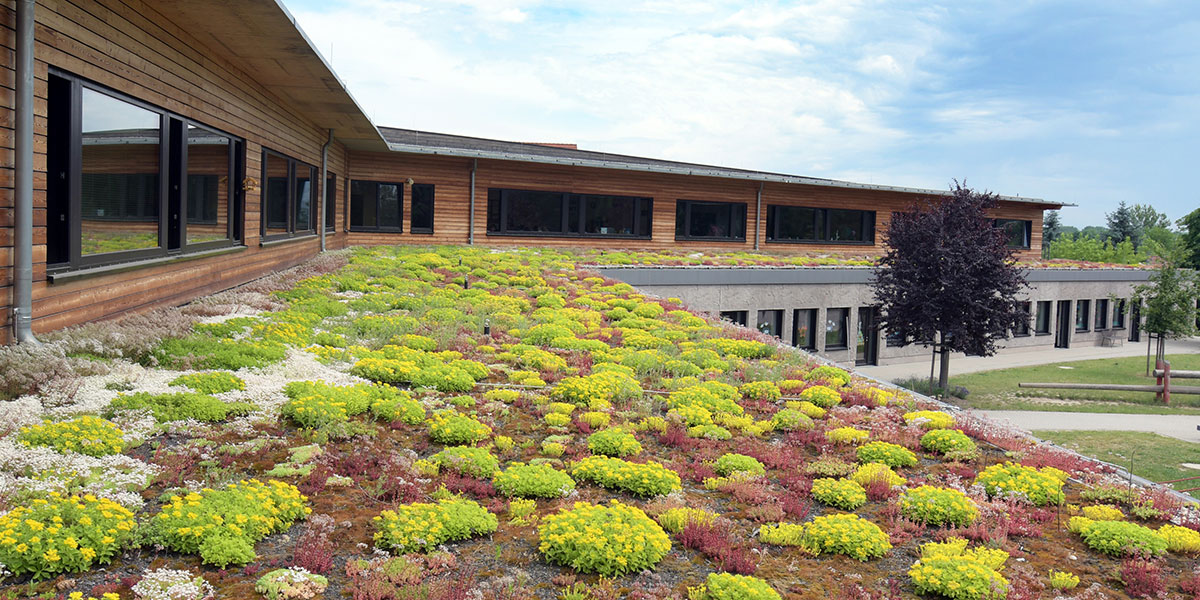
(844,344)
(294,166)
(1120,311)
(412,213)
(775,316)
(399,228)
(821,225)
(811,343)
(1026,229)
(500,201)
(329,205)
(737,317)
(1023,329)
(687,205)
(1100,322)
(1043,308)
(64,244)
(1083,314)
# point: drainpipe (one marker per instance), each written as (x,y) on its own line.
(471,212)
(324,180)
(757,214)
(22,314)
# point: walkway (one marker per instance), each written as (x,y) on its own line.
(1181,427)
(1022,358)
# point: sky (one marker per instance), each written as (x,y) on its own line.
(1087,102)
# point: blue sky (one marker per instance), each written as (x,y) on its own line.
(1088,102)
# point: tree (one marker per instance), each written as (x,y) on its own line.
(1096,231)
(1051,226)
(948,279)
(1121,226)
(1190,242)
(1145,217)
(1168,300)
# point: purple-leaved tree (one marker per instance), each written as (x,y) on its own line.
(948,280)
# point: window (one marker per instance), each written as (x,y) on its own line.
(287,196)
(894,339)
(1082,312)
(1042,324)
(804,328)
(719,221)
(770,322)
(737,317)
(531,213)
(1022,328)
(422,208)
(1016,231)
(122,173)
(801,224)
(1118,317)
(1101,314)
(331,202)
(376,206)
(836,325)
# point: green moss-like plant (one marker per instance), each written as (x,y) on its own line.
(180,406)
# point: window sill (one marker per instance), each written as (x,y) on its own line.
(577,236)
(828,348)
(821,242)
(66,276)
(1043,333)
(286,240)
(1020,335)
(421,231)
(375,230)
(711,239)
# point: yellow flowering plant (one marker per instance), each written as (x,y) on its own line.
(533,481)
(727,586)
(645,480)
(847,435)
(1117,538)
(846,534)
(949,569)
(315,404)
(1039,487)
(610,540)
(88,435)
(938,506)
(1063,580)
(614,442)
(829,374)
(929,419)
(892,455)
(731,463)
(213,382)
(422,526)
(1180,540)
(790,419)
(450,427)
(223,525)
(761,390)
(945,441)
(63,534)
(845,494)
(675,519)
(869,472)
(467,460)
(821,396)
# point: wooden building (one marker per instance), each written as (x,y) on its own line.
(178,149)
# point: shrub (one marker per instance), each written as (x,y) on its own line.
(727,586)
(846,435)
(821,397)
(675,519)
(173,584)
(1063,580)
(849,534)
(177,407)
(832,375)
(612,539)
(946,441)
(63,534)
(1040,488)
(1118,538)
(293,582)
(88,435)
(938,506)
(452,428)
(1180,540)
(764,391)
(613,442)
(421,527)
(929,419)
(845,494)
(949,569)
(789,419)
(533,481)
(200,351)
(871,472)
(214,382)
(892,455)
(729,464)
(222,526)
(650,479)
(467,460)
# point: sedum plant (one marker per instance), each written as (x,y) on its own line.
(610,540)
(790,419)
(938,506)
(847,534)
(533,481)
(63,534)
(728,586)
(831,375)
(422,527)
(869,472)
(845,494)
(614,442)
(177,407)
(645,480)
(892,455)
(949,569)
(467,460)
(847,435)
(213,382)
(929,419)
(1011,478)
(946,441)
(821,396)
(88,435)
(732,463)
(173,584)
(1118,538)
(450,427)
(291,583)
(675,519)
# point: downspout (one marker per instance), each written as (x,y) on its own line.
(471,213)
(757,215)
(22,314)
(324,181)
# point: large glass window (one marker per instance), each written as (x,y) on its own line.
(1042,323)
(837,321)
(804,328)
(422,208)
(375,206)
(1016,232)
(331,202)
(1101,314)
(1022,328)
(127,180)
(710,220)
(737,317)
(770,322)
(287,196)
(1118,317)
(804,224)
(530,212)
(1082,314)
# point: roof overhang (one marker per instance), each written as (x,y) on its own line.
(262,38)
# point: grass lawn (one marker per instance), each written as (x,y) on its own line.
(998,390)
(1155,457)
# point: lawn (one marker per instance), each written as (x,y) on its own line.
(998,390)
(1149,455)
(453,423)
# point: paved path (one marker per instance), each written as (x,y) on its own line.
(1019,358)
(1177,426)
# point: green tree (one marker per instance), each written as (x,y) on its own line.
(1082,247)
(1051,226)
(1096,231)
(1168,300)
(1189,243)
(1145,217)
(1121,226)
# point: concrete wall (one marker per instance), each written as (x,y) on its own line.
(753,289)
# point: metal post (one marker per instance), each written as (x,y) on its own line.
(22,314)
